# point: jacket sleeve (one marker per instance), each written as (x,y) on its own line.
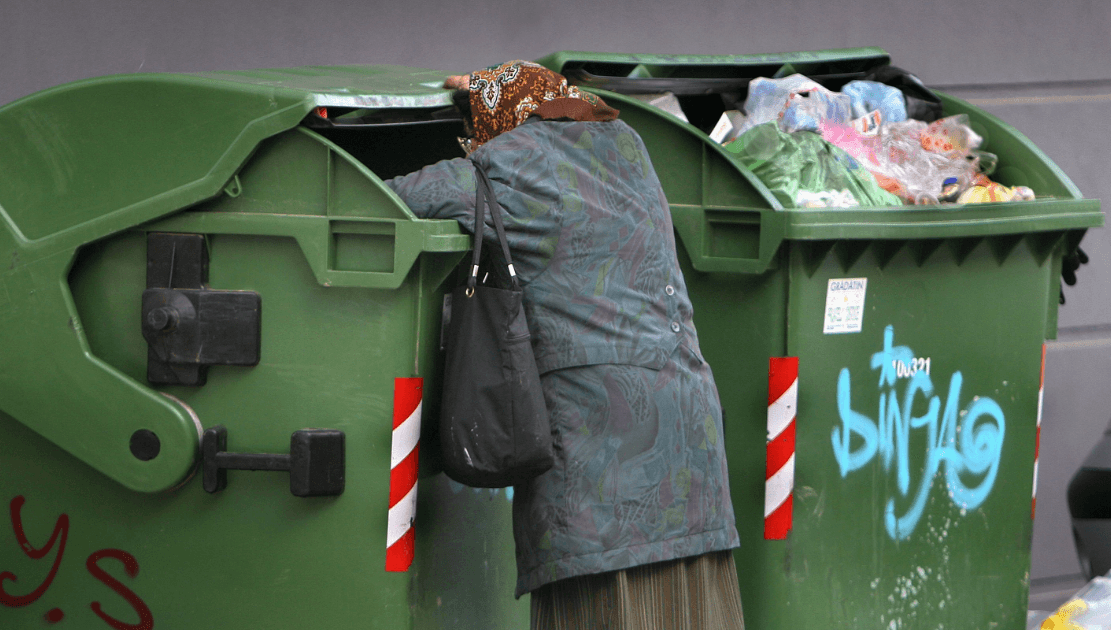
(444,190)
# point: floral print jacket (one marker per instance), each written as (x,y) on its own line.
(640,473)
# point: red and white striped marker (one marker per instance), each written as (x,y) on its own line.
(400,533)
(1038,438)
(779,475)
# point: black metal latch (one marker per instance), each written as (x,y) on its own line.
(315,461)
(189,327)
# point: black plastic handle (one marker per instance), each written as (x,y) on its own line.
(315,461)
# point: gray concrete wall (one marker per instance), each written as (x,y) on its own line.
(1043,67)
(946,41)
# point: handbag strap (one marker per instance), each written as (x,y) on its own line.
(484,197)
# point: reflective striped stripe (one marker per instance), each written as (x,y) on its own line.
(782,411)
(404,452)
(405,437)
(401,517)
(779,470)
(779,487)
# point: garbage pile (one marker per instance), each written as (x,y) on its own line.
(877,142)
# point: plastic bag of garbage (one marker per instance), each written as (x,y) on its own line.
(947,135)
(795,103)
(1089,609)
(866,97)
(922,157)
(802,170)
(921,163)
(990,192)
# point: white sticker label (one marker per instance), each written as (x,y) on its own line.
(845,305)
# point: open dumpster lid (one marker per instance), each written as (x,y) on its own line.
(702,74)
(351,86)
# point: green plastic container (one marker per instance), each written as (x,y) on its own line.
(917,414)
(351,287)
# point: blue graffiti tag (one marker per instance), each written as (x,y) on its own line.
(969,442)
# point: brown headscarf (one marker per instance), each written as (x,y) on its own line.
(505,96)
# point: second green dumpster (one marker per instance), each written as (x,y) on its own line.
(918,334)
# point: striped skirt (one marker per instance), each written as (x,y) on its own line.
(695,593)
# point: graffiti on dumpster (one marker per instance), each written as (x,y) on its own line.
(967,441)
(93,565)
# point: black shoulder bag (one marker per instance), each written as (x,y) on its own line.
(494,427)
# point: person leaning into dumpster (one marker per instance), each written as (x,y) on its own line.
(633,525)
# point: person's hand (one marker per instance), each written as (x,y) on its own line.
(458,82)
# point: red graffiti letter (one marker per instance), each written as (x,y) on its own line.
(131,566)
(61,532)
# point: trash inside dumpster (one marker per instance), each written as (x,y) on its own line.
(879,362)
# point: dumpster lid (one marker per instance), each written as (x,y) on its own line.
(88,159)
(351,86)
(706,74)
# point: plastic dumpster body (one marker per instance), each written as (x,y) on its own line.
(309,290)
(919,334)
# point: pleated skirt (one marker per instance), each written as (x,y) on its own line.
(695,593)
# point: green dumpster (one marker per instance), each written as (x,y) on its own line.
(217,253)
(919,336)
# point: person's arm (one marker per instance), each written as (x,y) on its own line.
(444,190)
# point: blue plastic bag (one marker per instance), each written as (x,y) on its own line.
(868,96)
(796,103)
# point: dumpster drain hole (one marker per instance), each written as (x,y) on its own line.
(145,445)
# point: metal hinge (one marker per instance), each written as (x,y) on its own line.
(189,327)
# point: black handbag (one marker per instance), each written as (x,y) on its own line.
(494,426)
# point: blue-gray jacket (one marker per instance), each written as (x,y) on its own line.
(640,473)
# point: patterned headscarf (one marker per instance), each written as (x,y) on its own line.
(505,96)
